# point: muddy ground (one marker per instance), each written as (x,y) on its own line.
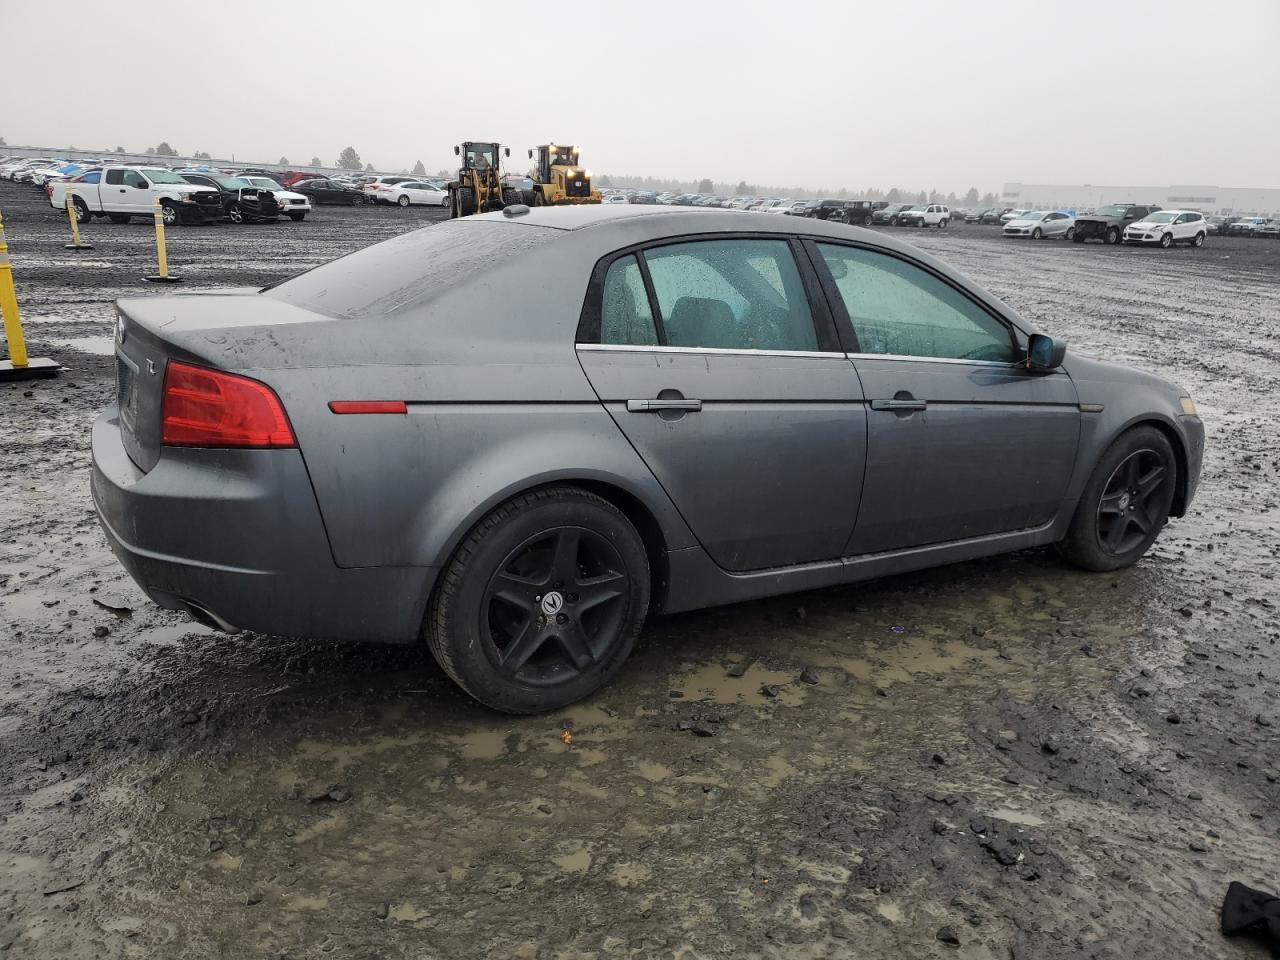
(1005,758)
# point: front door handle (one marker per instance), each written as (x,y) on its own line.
(899,404)
(661,405)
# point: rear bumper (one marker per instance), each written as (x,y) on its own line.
(235,538)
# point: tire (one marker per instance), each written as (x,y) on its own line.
(1096,539)
(1166,240)
(1070,234)
(1112,235)
(119,217)
(493,594)
(1199,240)
(168,213)
(235,213)
(1075,237)
(1037,234)
(942,224)
(466,201)
(511,196)
(298,217)
(403,200)
(81,210)
(866,221)
(893,221)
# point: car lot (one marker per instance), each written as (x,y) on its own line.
(1043,761)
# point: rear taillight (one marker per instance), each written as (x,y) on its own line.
(209,408)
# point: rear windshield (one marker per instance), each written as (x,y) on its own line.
(383,279)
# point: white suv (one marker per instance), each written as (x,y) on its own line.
(934,215)
(1167,227)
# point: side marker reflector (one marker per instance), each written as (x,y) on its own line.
(368,406)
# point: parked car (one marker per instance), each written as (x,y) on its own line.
(397,446)
(242,202)
(125,192)
(995,215)
(1037,224)
(1107,223)
(1219,225)
(644,196)
(328,191)
(825,209)
(925,215)
(292,204)
(858,212)
(1168,227)
(974,216)
(1013,214)
(613,198)
(888,215)
(1246,226)
(1271,229)
(419,192)
(378,189)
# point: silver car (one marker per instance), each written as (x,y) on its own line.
(515,436)
(1038,224)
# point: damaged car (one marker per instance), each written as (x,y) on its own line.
(242,202)
(515,436)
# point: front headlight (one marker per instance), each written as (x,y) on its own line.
(1188,406)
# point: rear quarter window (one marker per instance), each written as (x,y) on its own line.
(397,273)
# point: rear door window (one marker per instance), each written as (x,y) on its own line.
(741,294)
(625,316)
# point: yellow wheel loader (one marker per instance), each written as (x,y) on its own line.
(559,177)
(479,187)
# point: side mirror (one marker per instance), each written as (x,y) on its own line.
(457,152)
(1045,353)
(508,151)
(530,154)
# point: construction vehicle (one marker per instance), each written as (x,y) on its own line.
(559,177)
(479,187)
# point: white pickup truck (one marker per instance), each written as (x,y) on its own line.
(124,192)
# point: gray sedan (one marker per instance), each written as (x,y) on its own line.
(517,435)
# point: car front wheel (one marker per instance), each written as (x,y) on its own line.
(542,602)
(1125,504)
(1166,240)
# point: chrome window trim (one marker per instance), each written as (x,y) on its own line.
(910,359)
(707,351)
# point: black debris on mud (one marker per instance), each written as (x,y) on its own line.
(979,761)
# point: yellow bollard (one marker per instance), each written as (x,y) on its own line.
(75,243)
(162,258)
(19,366)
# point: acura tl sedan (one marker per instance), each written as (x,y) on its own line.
(515,436)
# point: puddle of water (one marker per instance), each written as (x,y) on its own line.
(653,772)
(627,874)
(890,911)
(406,913)
(710,681)
(484,744)
(98,346)
(1009,815)
(577,862)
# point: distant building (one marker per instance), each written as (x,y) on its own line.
(1240,200)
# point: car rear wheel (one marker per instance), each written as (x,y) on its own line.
(542,603)
(403,200)
(1070,234)
(1125,504)
(1198,241)
(1166,240)
(866,221)
(1113,235)
(81,210)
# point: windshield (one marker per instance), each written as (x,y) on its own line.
(1112,210)
(163,176)
(481,155)
(1034,215)
(1165,217)
(232,183)
(563,156)
(264,182)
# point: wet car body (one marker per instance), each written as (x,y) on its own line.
(421,402)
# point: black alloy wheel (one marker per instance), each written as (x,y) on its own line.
(1126,502)
(1125,517)
(543,601)
(551,609)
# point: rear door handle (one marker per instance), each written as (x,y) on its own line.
(899,404)
(658,406)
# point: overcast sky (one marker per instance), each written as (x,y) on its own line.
(906,93)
